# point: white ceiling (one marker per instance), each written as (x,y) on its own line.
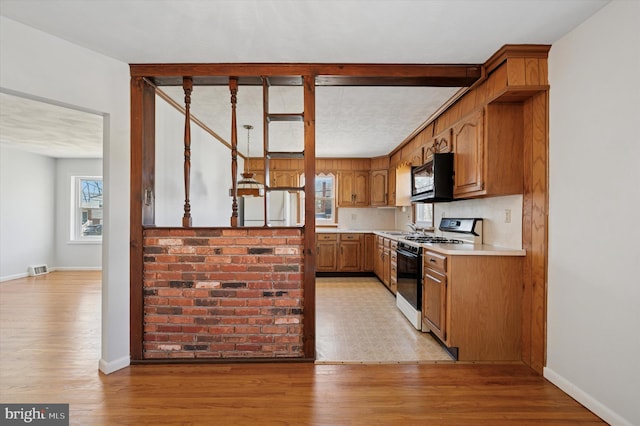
(351,121)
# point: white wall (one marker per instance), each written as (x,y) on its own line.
(27,228)
(210,172)
(366,218)
(593,343)
(73,255)
(40,65)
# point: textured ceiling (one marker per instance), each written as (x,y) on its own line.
(351,121)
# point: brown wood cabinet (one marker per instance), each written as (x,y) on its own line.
(350,254)
(353,189)
(468,142)
(369,252)
(385,262)
(473,304)
(283,178)
(379,188)
(327,252)
(344,252)
(434,302)
(488,147)
(393,266)
(441,143)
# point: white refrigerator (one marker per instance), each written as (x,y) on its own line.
(282,209)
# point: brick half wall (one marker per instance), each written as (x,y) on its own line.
(223,293)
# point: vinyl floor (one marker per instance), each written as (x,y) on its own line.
(357,321)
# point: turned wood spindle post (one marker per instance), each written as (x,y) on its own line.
(187,85)
(233,88)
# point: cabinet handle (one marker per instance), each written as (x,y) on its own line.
(432,260)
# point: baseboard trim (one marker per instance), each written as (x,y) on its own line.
(13,277)
(595,406)
(107,367)
(76,268)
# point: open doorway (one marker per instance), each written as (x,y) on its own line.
(48,149)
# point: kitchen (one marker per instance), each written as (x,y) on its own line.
(486,127)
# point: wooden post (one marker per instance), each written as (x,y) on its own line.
(233,88)
(187,85)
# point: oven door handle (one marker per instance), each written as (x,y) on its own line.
(407,253)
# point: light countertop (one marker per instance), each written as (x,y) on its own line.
(449,249)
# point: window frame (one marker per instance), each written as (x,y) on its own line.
(420,224)
(334,207)
(76,235)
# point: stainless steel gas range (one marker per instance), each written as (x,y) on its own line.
(409,269)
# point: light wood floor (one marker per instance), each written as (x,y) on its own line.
(49,350)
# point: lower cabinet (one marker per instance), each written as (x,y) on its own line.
(343,252)
(473,305)
(385,262)
(350,253)
(326,252)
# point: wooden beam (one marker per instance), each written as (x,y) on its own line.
(309,284)
(441,75)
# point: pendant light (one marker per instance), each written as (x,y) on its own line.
(248,186)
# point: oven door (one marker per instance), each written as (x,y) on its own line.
(409,278)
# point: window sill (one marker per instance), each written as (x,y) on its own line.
(85,242)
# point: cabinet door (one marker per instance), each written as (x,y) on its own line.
(468,146)
(283,178)
(345,189)
(327,256)
(350,256)
(441,143)
(392,187)
(379,188)
(369,252)
(378,258)
(361,189)
(434,303)
(386,267)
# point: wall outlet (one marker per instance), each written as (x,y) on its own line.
(507,215)
(354,216)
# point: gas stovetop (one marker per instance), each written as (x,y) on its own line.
(426,239)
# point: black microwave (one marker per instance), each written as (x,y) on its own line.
(433,181)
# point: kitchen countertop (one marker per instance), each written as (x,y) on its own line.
(449,249)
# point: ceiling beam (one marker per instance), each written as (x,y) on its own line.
(439,75)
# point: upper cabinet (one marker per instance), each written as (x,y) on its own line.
(488,148)
(468,142)
(441,143)
(284,178)
(379,187)
(353,189)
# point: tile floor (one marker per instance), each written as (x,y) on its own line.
(357,322)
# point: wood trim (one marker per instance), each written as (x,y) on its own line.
(142,173)
(509,51)
(453,75)
(309,285)
(534,231)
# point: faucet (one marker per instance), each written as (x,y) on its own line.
(413,227)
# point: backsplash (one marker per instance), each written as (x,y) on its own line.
(367,218)
(495,229)
(493,211)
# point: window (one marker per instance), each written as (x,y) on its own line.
(423,215)
(86,207)
(325,196)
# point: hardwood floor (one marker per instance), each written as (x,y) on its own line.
(49,350)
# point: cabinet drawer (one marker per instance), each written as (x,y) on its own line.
(435,261)
(350,237)
(394,245)
(327,237)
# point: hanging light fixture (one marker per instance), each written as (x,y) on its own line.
(248,186)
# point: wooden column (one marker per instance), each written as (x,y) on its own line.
(187,85)
(141,200)
(233,88)
(309,284)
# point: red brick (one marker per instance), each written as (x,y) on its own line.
(169,292)
(180,319)
(234,232)
(233,302)
(195,292)
(248,347)
(246,312)
(194,311)
(274,329)
(247,330)
(218,259)
(221,330)
(234,250)
(175,301)
(156,318)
